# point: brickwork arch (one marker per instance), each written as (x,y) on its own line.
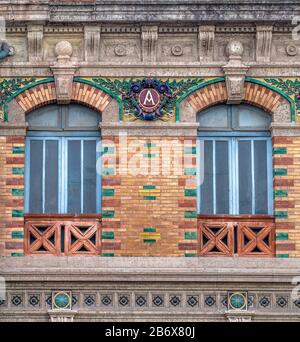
(255,94)
(44,94)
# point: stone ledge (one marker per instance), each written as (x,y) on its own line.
(148,128)
(149,269)
(285,129)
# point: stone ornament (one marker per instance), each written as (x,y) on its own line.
(291,50)
(120,51)
(238,301)
(63,72)
(63,50)
(235,49)
(177,50)
(235,72)
(61,300)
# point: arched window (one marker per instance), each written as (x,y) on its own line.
(62,150)
(235,170)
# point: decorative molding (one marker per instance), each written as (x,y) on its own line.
(263,43)
(283,29)
(177,29)
(120,29)
(235,29)
(92,43)
(287,88)
(35,35)
(63,29)
(149,37)
(16,29)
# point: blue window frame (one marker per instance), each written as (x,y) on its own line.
(62,172)
(235,162)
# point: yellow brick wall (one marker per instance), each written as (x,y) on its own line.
(151,212)
(286,159)
(12,199)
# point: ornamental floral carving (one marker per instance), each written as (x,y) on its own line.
(8,87)
(289,87)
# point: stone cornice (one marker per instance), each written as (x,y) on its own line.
(151,11)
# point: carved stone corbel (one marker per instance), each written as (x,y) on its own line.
(63,72)
(92,43)
(235,72)
(57,315)
(206,37)
(239,316)
(35,35)
(149,43)
(263,43)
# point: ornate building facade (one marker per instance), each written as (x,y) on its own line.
(149,160)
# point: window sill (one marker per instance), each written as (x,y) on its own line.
(238,218)
(61,217)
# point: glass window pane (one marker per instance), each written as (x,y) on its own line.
(250,117)
(245,177)
(222,177)
(206,189)
(261,177)
(48,116)
(82,117)
(51,176)
(36,177)
(215,117)
(89,177)
(74,176)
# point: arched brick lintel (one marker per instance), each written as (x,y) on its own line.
(43,94)
(255,94)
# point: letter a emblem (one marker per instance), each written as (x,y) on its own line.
(149,101)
